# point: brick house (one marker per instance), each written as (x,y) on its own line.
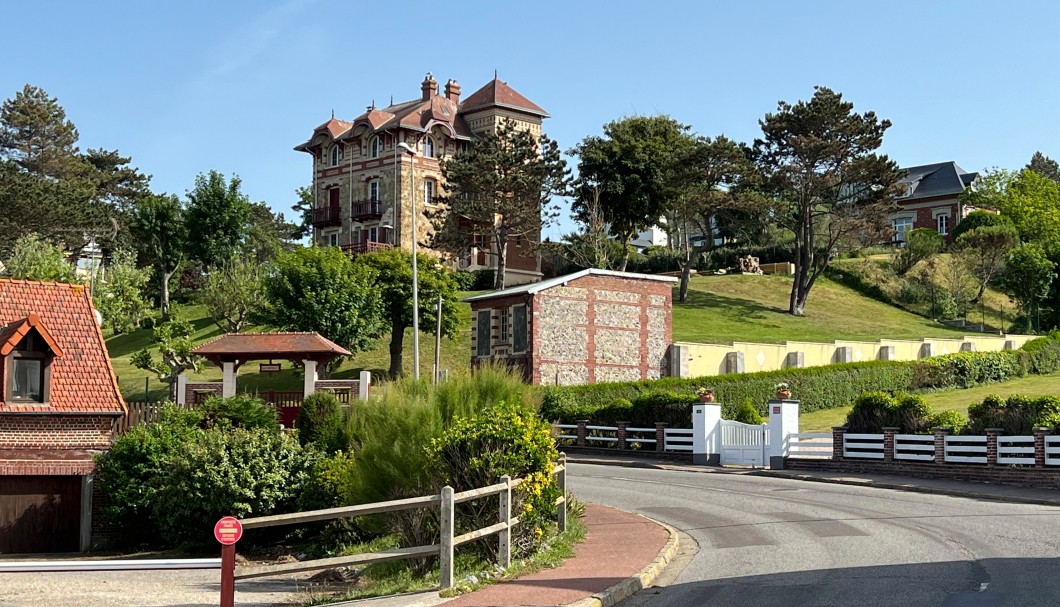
(931,199)
(59,402)
(363,182)
(583,328)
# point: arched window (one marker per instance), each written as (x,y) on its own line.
(336,154)
(375,147)
(428,147)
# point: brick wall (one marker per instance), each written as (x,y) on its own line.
(1026,476)
(55,432)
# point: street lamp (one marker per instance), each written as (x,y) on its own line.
(407,149)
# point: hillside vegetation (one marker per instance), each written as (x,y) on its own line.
(719,309)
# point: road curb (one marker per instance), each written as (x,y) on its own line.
(1017,499)
(639,581)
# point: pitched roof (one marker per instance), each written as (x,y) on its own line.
(265,345)
(82,379)
(536,287)
(939,179)
(498,94)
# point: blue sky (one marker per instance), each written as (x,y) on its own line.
(184,87)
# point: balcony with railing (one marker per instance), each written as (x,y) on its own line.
(325,217)
(366,247)
(366,210)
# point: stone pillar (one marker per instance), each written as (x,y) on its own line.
(679,361)
(844,354)
(1039,445)
(927,349)
(940,444)
(783,422)
(706,434)
(967,346)
(365,386)
(795,360)
(182,389)
(991,444)
(228,380)
(734,362)
(888,443)
(838,432)
(581,432)
(621,434)
(660,436)
(1010,344)
(886,353)
(310,385)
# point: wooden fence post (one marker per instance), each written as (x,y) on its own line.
(561,480)
(228,575)
(446,529)
(504,538)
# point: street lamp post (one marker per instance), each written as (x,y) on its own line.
(406,148)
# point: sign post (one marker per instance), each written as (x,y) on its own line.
(227,531)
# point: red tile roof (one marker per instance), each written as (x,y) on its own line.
(498,93)
(256,346)
(82,379)
(12,334)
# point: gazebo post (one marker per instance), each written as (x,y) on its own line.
(228,380)
(310,377)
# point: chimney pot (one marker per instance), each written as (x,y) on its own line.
(429,87)
(452,91)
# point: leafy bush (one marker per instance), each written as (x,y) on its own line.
(329,482)
(506,439)
(484,280)
(134,469)
(748,413)
(321,422)
(229,472)
(1017,415)
(674,408)
(921,244)
(465,280)
(874,411)
(953,420)
(979,219)
(241,411)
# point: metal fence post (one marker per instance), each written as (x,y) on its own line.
(504,538)
(445,532)
(561,480)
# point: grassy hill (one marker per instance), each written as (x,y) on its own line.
(719,309)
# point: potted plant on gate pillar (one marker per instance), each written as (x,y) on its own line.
(783,391)
(706,395)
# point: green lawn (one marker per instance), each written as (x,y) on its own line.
(945,400)
(455,356)
(728,308)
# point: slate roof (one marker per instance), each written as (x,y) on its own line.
(82,379)
(265,345)
(535,287)
(939,179)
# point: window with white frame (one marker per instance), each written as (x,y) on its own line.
(902,226)
(333,239)
(504,325)
(942,222)
(375,147)
(336,154)
(428,147)
(428,191)
(373,190)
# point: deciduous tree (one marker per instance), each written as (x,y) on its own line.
(161,229)
(34,258)
(220,213)
(393,271)
(503,187)
(985,250)
(232,293)
(825,181)
(174,344)
(303,211)
(1028,278)
(119,295)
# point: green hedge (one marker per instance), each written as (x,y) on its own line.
(667,399)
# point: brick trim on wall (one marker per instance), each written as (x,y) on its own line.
(1024,476)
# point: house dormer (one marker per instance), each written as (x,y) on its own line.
(27,350)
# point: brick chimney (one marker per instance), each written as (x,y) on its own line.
(452,91)
(429,86)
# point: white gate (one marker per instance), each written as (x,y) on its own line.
(743,444)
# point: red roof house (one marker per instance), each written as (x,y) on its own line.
(58,404)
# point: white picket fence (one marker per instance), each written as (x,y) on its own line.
(916,447)
(816,445)
(1011,450)
(674,439)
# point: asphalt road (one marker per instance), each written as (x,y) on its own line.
(768,542)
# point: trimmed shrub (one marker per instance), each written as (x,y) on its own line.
(465,280)
(229,472)
(329,482)
(674,408)
(321,422)
(953,420)
(748,413)
(504,440)
(1017,415)
(240,411)
(874,411)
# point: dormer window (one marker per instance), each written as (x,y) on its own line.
(336,154)
(27,350)
(375,147)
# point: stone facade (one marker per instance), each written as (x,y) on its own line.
(595,326)
(365,185)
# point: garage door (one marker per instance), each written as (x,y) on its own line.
(39,514)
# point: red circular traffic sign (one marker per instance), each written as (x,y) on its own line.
(228,530)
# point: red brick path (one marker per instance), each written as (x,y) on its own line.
(618,544)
